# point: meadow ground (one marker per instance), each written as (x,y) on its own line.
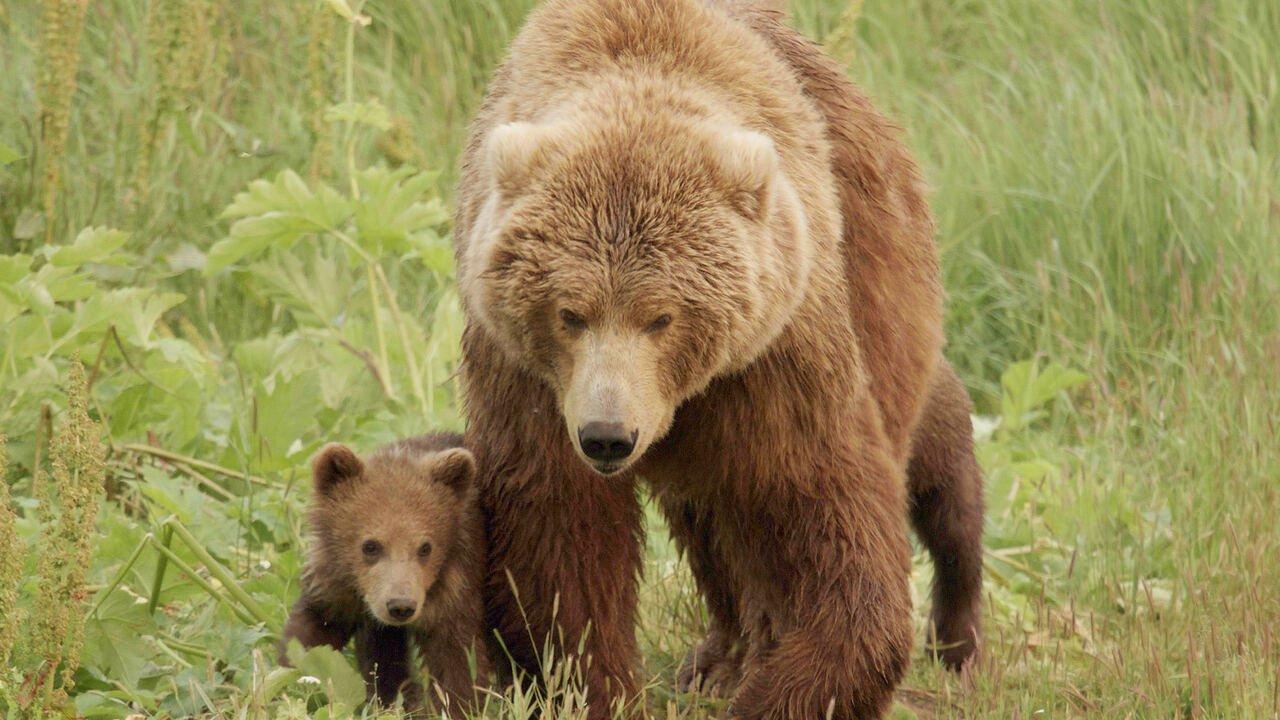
(1106,180)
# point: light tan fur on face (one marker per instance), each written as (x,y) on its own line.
(611,377)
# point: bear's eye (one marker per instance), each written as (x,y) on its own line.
(371,549)
(424,550)
(659,323)
(572,320)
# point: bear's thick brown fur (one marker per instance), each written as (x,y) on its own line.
(396,559)
(690,251)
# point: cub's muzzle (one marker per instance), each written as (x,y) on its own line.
(401,609)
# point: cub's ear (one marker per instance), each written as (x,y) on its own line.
(454,468)
(514,152)
(333,465)
(749,162)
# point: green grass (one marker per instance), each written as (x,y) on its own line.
(1107,185)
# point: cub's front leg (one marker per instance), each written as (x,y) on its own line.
(311,624)
(382,652)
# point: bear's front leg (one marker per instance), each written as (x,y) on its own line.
(455,659)
(841,631)
(564,560)
(712,666)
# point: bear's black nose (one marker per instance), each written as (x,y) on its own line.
(401,608)
(606,442)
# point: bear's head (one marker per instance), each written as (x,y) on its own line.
(629,260)
(389,525)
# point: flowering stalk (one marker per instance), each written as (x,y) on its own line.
(78,461)
(10,568)
(61,24)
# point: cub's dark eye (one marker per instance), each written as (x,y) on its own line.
(371,549)
(659,323)
(572,320)
(424,550)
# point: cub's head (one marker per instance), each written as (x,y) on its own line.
(391,522)
(630,261)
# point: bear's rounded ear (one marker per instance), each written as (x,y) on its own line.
(455,468)
(514,151)
(333,465)
(749,162)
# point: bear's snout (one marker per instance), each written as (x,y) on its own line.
(401,609)
(607,442)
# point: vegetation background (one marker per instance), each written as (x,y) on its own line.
(234,216)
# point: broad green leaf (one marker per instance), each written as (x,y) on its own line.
(254,235)
(11,305)
(394,206)
(369,112)
(276,681)
(102,310)
(114,642)
(275,213)
(37,298)
(437,256)
(50,285)
(65,284)
(1026,387)
(168,494)
(13,268)
(8,155)
(1053,380)
(282,419)
(341,683)
(316,290)
(271,429)
(286,193)
(92,245)
(95,704)
(138,325)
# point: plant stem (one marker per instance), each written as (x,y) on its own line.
(415,377)
(349,72)
(162,565)
(193,462)
(377,327)
(119,577)
(223,574)
(205,585)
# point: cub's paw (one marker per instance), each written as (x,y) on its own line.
(413,703)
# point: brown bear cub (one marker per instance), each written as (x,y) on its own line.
(396,556)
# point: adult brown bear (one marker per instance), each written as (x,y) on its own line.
(690,251)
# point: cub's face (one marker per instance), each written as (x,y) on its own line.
(630,268)
(391,523)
